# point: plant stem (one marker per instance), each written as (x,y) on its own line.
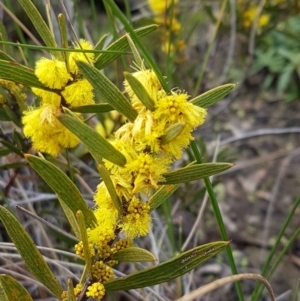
(219,219)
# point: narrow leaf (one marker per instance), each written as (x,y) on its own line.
(64,38)
(212,96)
(133,254)
(70,217)
(33,259)
(4,151)
(71,294)
(110,187)
(140,91)
(13,148)
(84,239)
(65,189)
(100,43)
(40,25)
(13,290)
(98,146)
(195,172)
(137,57)
(121,44)
(12,116)
(107,90)
(4,37)
(143,49)
(98,108)
(20,74)
(5,57)
(161,195)
(167,270)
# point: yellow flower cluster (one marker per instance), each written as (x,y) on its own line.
(96,291)
(169,27)
(150,147)
(77,290)
(64,86)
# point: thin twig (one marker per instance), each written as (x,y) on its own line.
(226,280)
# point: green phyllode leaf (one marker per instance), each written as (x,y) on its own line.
(133,254)
(20,74)
(194,172)
(68,194)
(106,89)
(212,96)
(33,259)
(12,289)
(104,59)
(40,25)
(140,91)
(98,108)
(172,132)
(167,270)
(84,239)
(161,195)
(110,188)
(98,146)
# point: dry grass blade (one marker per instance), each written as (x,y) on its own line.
(226,280)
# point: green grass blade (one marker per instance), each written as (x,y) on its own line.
(265,269)
(13,290)
(40,25)
(117,12)
(219,219)
(103,60)
(33,259)
(167,270)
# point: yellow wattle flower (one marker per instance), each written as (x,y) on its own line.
(79,93)
(137,221)
(80,56)
(47,97)
(46,132)
(52,73)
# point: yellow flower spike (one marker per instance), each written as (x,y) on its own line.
(48,98)
(96,291)
(137,221)
(175,108)
(79,93)
(147,171)
(80,56)
(52,73)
